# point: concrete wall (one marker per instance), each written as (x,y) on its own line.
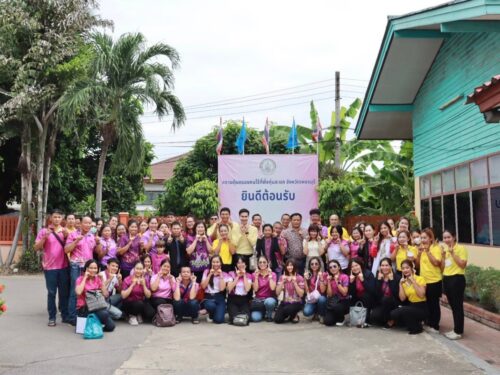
(4,252)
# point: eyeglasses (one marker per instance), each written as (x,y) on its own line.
(262,262)
(214,218)
(314,264)
(333,266)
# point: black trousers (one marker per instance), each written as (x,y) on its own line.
(336,313)
(237,305)
(381,313)
(287,311)
(433,294)
(411,315)
(454,288)
(142,307)
(157,301)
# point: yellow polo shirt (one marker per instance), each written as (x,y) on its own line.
(402,254)
(450,266)
(224,253)
(234,232)
(246,242)
(410,291)
(430,272)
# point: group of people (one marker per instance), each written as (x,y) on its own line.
(247,268)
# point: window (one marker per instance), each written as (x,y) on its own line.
(425,213)
(481,217)
(479,173)
(495,169)
(462,177)
(463,217)
(448,180)
(449,212)
(495,214)
(437,217)
(436,184)
(424,187)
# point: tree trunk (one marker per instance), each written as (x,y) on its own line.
(15,240)
(100,174)
(40,161)
(48,161)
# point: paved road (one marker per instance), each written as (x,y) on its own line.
(28,346)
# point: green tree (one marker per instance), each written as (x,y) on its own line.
(335,197)
(202,198)
(124,76)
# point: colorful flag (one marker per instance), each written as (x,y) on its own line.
(292,137)
(317,134)
(219,139)
(240,142)
(265,137)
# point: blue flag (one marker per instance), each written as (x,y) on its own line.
(292,137)
(240,142)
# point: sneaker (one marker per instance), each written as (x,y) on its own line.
(269,319)
(52,323)
(431,330)
(452,335)
(195,321)
(321,320)
(139,319)
(209,320)
(340,324)
(132,320)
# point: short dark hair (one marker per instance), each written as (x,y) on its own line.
(339,230)
(176,223)
(243,210)
(254,215)
(56,211)
(170,213)
(113,260)
(284,215)
(315,211)
(267,225)
(160,243)
(296,214)
(225,209)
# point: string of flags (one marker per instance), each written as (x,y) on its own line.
(317,136)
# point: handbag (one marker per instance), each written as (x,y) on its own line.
(93,328)
(357,315)
(313,296)
(240,320)
(332,301)
(95,300)
(258,305)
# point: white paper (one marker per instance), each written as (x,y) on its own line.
(80,325)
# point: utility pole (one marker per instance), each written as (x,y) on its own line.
(337,119)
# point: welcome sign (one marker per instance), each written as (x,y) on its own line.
(268,184)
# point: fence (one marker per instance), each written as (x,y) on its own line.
(7,229)
(349,222)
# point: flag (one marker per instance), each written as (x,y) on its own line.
(317,134)
(219,139)
(265,137)
(240,142)
(292,137)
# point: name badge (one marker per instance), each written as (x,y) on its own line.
(409,254)
(448,263)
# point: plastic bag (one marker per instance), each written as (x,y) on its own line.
(93,328)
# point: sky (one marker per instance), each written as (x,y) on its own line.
(257,59)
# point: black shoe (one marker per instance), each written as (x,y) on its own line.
(269,319)
(416,332)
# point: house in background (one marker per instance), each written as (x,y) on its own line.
(429,62)
(161,172)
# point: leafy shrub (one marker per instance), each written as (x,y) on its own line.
(30,261)
(471,282)
(489,289)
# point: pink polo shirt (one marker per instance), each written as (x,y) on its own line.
(53,257)
(264,290)
(137,293)
(92,283)
(145,239)
(110,248)
(165,288)
(156,260)
(290,294)
(239,289)
(311,283)
(344,281)
(84,249)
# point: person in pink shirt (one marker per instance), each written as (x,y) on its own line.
(135,290)
(185,302)
(80,246)
(315,291)
(158,257)
(151,236)
(129,249)
(337,288)
(357,242)
(106,246)
(214,282)
(238,301)
(51,241)
(264,286)
(163,286)
(147,262)
(91,281)
(337,248)
(292,285)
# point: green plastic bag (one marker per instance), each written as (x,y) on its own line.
(93,328)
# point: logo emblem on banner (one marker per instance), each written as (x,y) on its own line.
(267,166)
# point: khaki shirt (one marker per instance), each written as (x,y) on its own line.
(246,243)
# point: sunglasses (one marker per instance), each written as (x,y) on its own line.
(314,264)
(214,218)
(333,266)
(262,262)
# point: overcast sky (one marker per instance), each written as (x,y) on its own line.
(277,55)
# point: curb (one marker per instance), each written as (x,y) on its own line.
(478,314)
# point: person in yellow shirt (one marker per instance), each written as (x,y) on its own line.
(334,221)
(412,288)
(429,261)
(247,238)
(453,262)
(224,248)
(225,218)
(403,250)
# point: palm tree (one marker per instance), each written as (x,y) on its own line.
(123,77)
